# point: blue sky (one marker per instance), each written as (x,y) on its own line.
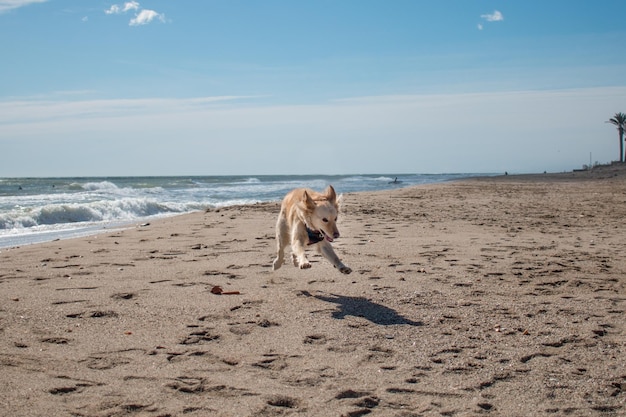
(308,87)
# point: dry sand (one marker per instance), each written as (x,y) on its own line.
(496,296)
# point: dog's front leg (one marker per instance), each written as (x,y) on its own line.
(327,252)
(298,254)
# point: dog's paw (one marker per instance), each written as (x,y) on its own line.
(277,264)
(345,270)
(305,265)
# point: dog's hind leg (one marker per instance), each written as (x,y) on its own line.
(282,238)
(327,252)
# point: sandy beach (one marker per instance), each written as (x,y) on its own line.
(498,296)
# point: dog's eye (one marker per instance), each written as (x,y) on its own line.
(325,220)
(335,218)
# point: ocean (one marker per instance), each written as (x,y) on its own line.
(34,210)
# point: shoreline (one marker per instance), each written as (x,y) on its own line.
(61,209)
(496,295)
(601,172)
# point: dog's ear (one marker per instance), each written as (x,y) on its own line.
(330,194)
(308,201)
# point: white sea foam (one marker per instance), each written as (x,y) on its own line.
(95,211)
(100,186)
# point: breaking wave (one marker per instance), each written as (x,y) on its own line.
(126,209)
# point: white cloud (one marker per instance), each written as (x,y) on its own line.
(117,9)
(131,5)
(143,17)
(6,5)
(400,133)
(496,16)
(68,105)
(114,9)
(146,16)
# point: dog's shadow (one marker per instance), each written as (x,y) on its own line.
(362,307)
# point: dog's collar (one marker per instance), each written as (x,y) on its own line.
(315,236)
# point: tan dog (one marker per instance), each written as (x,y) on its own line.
(308,218)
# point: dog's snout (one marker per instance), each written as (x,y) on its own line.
(335,235)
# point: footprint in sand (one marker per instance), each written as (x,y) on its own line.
(93,314)
(200,336)
(364,400)
(102,363)
(315,339)
(124,296)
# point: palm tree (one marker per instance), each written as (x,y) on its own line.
(619,120)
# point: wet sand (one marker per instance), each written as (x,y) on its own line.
(492,296)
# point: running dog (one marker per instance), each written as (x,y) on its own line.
(308,218)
